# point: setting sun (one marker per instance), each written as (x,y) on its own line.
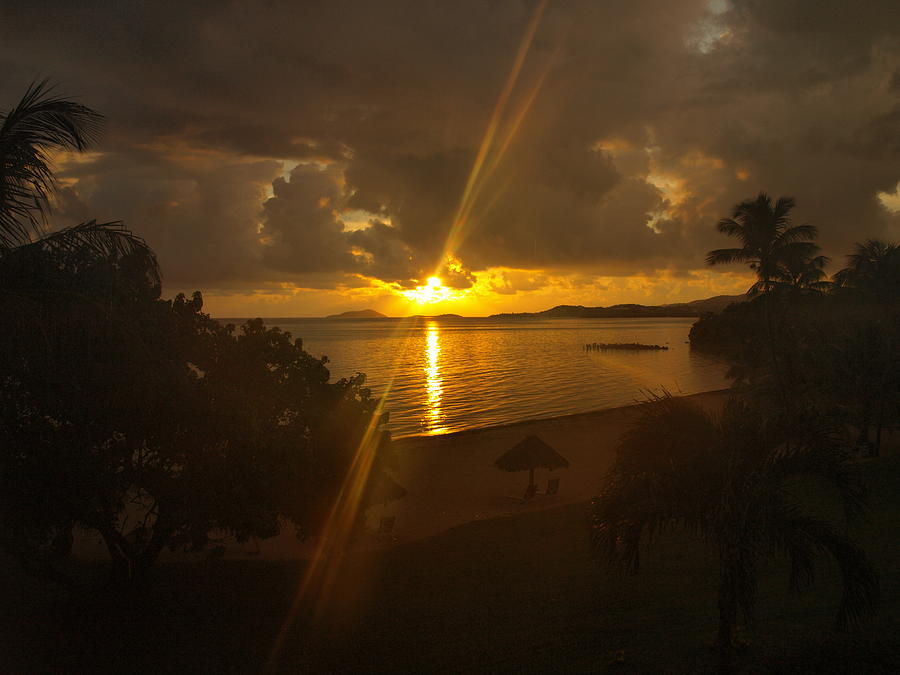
(433,291)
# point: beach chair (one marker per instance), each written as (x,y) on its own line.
(385,534)
(386,525)
(552,487)
(530,492)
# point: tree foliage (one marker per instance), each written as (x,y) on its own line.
(780,253)
(143,420)
(872,272)
(836,351)
(153,425)
(831,344)
(730,479)
(32,134)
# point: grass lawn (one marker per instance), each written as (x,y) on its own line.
(517,594)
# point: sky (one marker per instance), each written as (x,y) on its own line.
(302,159)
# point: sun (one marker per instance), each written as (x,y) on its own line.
(433,291)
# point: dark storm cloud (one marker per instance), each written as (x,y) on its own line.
(301,230)
(199,211)
(654,118)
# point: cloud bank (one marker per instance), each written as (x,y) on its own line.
(327,145)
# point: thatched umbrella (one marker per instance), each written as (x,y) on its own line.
(530,453)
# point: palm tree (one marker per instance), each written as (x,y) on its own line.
(727,478)
(872,269)
(770,244)
(62,288)
(31,133)
(768,240)
(872,275)
(802,273)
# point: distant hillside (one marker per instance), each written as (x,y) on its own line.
(695,308)
(714,304)
(359,314)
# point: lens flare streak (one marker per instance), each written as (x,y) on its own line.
(317,585)
(316,589)
(482,169)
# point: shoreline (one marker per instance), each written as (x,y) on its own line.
(574,417)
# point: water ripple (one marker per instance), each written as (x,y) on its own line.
(453,374)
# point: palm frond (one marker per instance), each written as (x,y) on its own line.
(820,286)
(781,211)
(750,207)
(796,250)
(83,244)
(757,288)
(844,277)
(820,262)
(800,538)
(38,126)
(744,578)
(816,449)
(646,491)
(787,530)
(873,267)
(732,228)
(797,233)
(725,256)
(727,477)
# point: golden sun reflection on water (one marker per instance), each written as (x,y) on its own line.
(434,383)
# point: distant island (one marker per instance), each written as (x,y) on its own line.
(359,314)
(695,308)
(687,309)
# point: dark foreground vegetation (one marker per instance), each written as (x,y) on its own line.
(837,352)
(531,600)
(803,341)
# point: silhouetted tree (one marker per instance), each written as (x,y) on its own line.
(801,273)
(770,244)
(768,240)
(847,353)
(144,420)
(872,272)
(729,479)
(868,298)
(838,352)
(55,284)
(30,134)
(158,427)
(68,375)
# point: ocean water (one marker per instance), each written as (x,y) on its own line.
(445,375)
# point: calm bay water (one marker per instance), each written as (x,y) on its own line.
(444,375)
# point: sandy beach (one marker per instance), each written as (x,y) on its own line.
(451,479)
